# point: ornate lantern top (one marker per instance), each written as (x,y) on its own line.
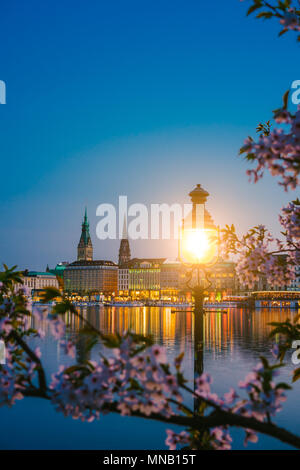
(198,195)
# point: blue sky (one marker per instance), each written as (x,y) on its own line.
(138,98)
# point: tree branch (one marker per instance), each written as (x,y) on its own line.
(40,370)
(216,418)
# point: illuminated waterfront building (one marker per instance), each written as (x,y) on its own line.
(222,277)
(172,279)
(166,279)
(295,283)
(149,278)
(140,278)
(224,280)
(276,299)
(91,277)
(123,281)
(36,281)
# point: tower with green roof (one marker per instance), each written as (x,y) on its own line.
(85,247)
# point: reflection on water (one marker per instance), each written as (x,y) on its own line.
(232,344)
(160,322)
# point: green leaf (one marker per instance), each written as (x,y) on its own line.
(111,341)
(296,374)
(283,386)
(285,99)
(265,362)
(265,14)
(250,156)
(90,344)
(179,359)
(74,368)
(283,31)
(253,8)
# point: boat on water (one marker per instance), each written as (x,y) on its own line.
(170,304)
(87,304)
(125,304)
(43,304)
(229,304)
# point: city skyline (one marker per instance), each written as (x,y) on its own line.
(89,119)
(139,247)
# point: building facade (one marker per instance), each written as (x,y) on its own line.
(123,281)
(140,278)
(166,279)
(295,283)
(223,281)
(177,281)
(172,278)
(36,281)
(91,277)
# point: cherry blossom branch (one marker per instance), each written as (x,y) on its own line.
(181,406)
(289,16)
(222,418)
(208,402)
(40,370)
(216,418)
(283,251)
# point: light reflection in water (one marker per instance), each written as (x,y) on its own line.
(227,337)
(232,343)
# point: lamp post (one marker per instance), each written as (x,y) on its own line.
(198,251)
(199,245)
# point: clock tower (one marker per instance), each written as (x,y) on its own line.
(85,247)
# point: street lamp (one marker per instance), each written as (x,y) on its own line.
(198,245)
(198,251)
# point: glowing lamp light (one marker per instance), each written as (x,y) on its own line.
(199,246)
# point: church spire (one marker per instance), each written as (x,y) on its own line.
(85,247)
(124,232)
(124,251)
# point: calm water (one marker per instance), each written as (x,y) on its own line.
(233,343)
